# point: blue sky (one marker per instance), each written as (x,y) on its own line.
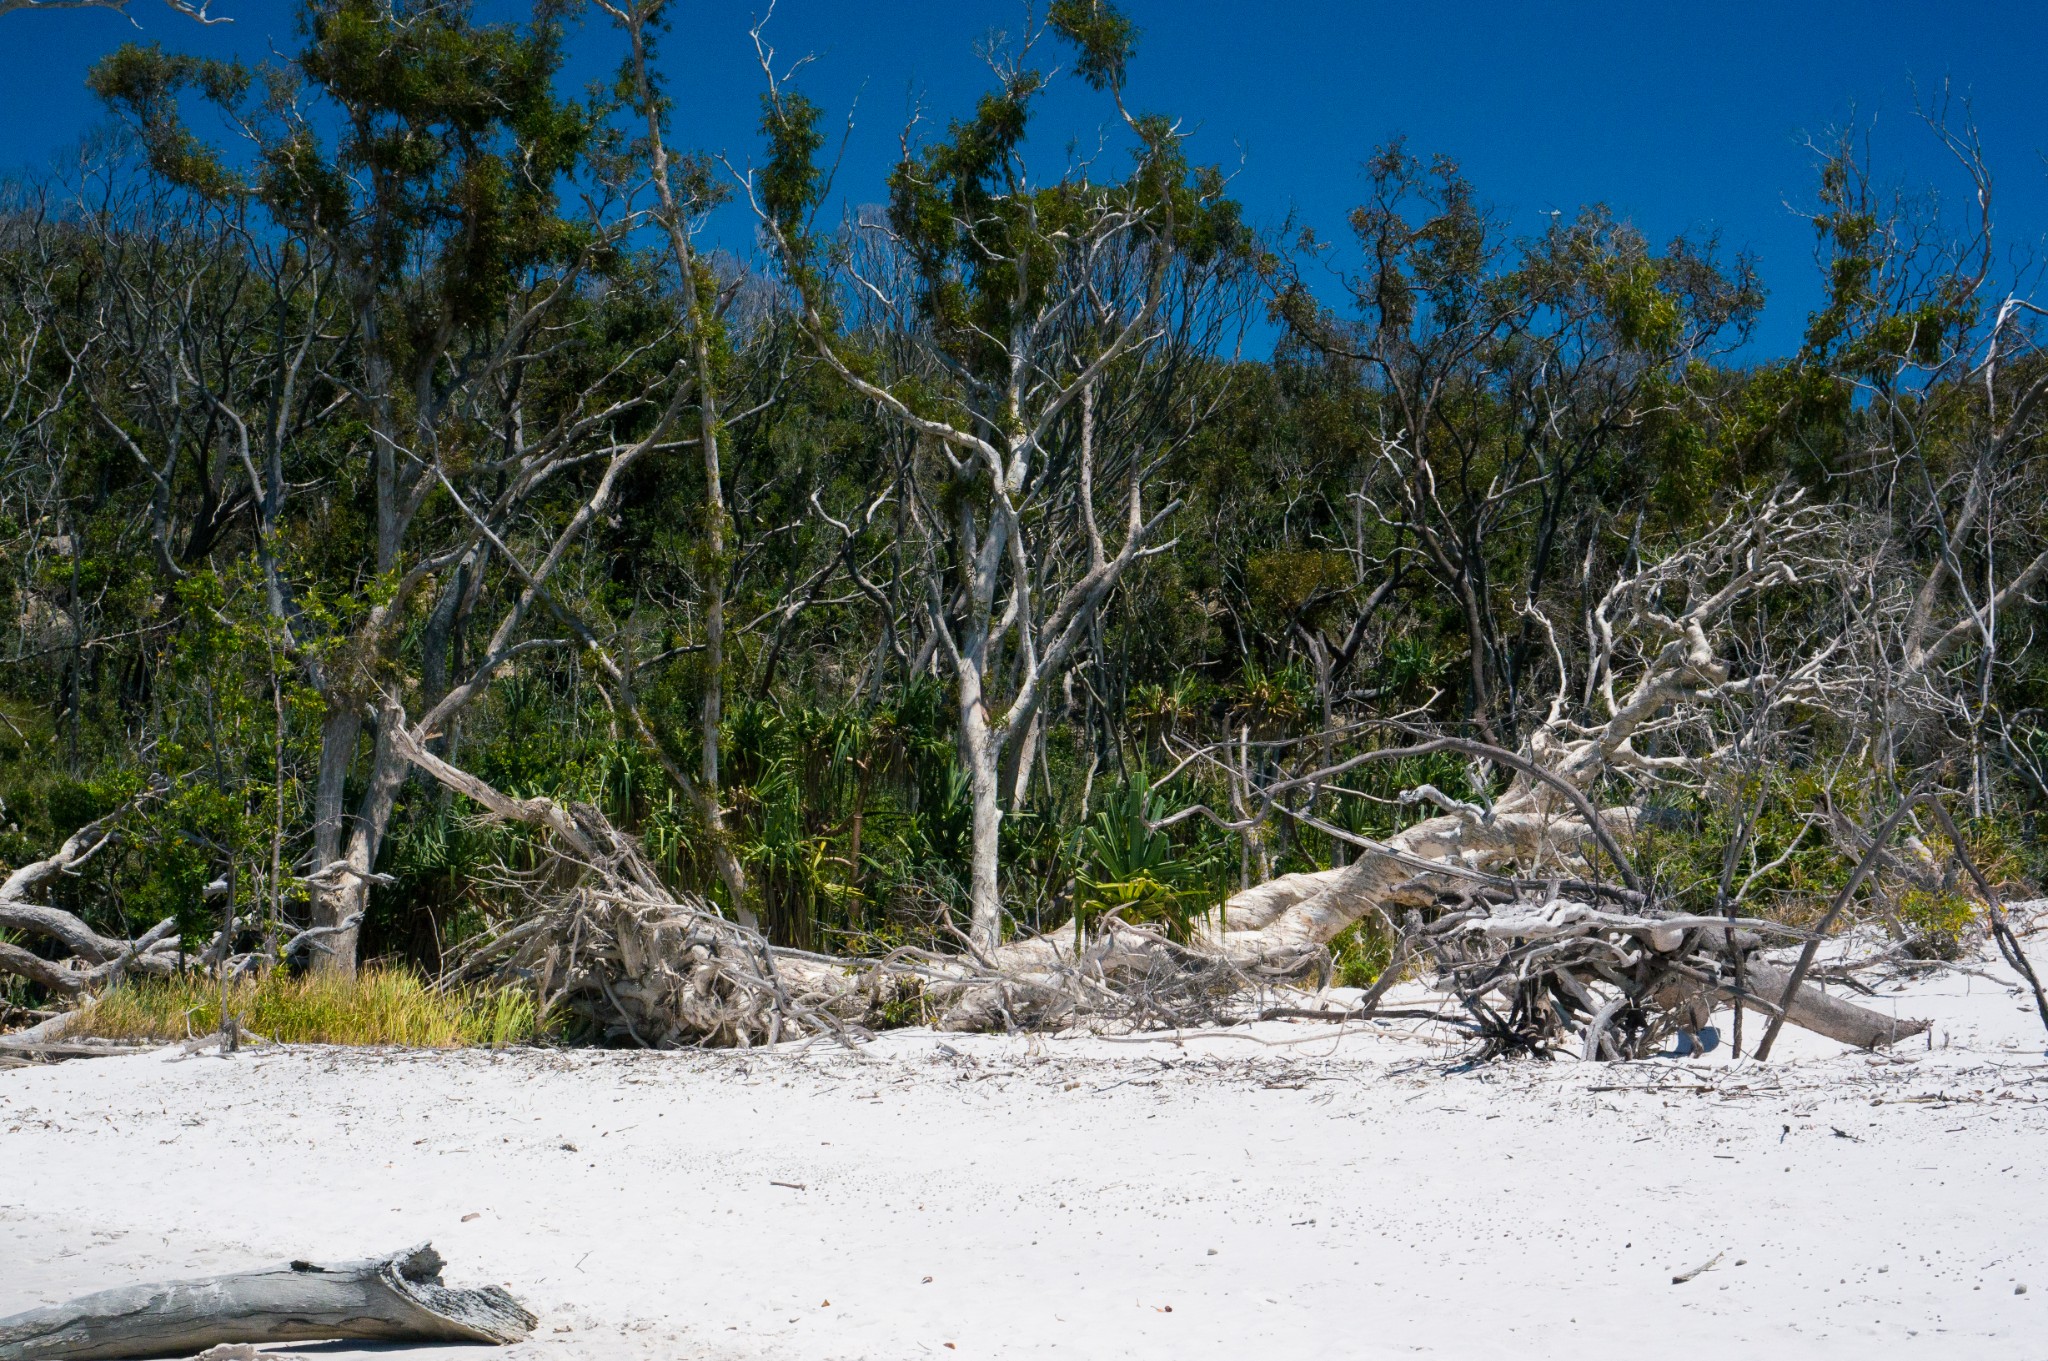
(1681,117)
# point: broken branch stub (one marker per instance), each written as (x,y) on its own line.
(395,1298)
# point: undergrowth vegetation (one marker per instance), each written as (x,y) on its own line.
(1361,952)
(1410,508)
(378,1006)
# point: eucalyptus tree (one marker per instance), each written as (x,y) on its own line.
(986,312)
(1505,374)
(684,191)
(423,154)
(1932,358)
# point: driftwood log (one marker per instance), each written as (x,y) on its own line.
(1812,1009)
(395,1298)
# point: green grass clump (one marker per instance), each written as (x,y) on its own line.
(1939,923)
(376,1006)
(1361,952)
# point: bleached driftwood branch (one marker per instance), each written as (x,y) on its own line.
(95,959)
(395,1298)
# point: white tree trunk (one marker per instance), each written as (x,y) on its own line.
(981,750)
(332,904)
(347,903)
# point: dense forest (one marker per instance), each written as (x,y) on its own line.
(1039,542)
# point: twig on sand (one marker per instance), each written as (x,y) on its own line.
(1701,1269)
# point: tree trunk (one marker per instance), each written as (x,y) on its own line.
(982,753)
(397,1298)
(1017,770)
(731,872)
(349,900)
(1814,1010)
(339,729)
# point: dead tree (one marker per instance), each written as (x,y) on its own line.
(483,486)
(992,315)
(597,935)
(1527,902)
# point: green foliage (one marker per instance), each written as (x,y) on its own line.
(1104,39)
(1291,584)
(1361,953)
(1131,868)
(854,820)
(791,184)
(1791,871)
(1273,701)
(145,82)
(1939,923)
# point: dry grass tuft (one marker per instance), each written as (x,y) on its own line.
(376,1006)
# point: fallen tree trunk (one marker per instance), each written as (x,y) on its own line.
(46,974)
(396,1298)
(51,1040)
(45,1032)
(1814,1010)
(604,938)
(60,926)
(617,946)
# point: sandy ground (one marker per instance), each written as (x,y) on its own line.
(991,1197)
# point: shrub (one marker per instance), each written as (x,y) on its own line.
(1939,923)
(1361,952)
(1132,868)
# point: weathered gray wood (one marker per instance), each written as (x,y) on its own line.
(66,929)
(398,1298)
(153,953)
(46,974)
(44,1032)
(80,1049)
(1812,1009)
